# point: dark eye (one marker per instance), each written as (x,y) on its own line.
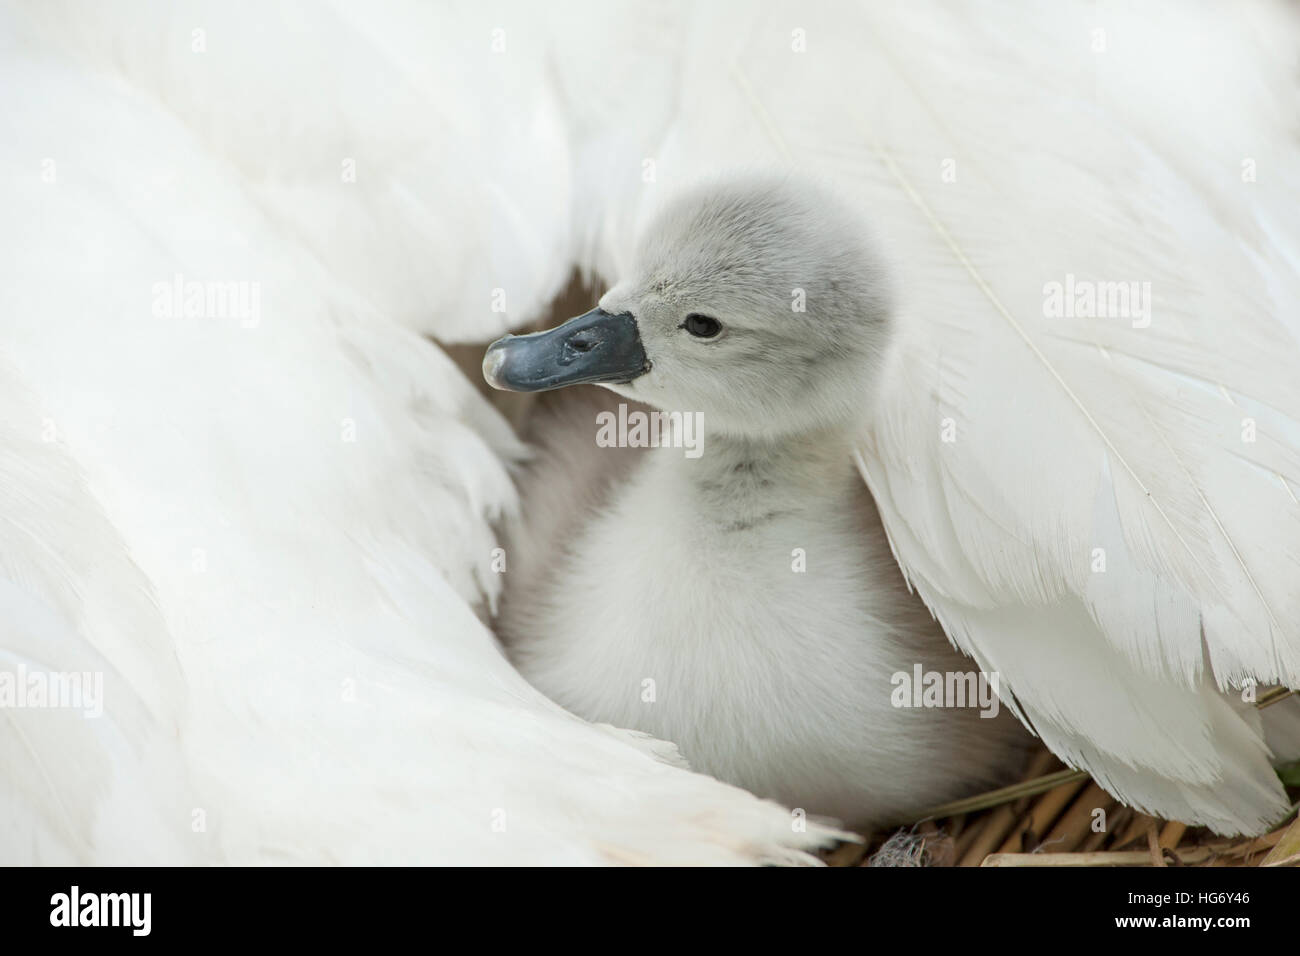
(701,326)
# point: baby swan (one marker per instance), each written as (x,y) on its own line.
(741,602)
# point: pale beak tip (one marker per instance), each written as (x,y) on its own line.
(493,359)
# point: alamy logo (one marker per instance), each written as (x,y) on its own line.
(1085,299)
(63,690)
(201,299)
(103,909)
(946,689)
(640,429)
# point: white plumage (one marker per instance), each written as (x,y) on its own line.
(285,616)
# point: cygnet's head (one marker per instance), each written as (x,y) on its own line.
(759,301)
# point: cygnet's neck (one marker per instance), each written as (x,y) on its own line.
(742,483)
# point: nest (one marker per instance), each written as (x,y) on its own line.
(1060,817)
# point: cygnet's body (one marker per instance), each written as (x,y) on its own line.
(744,603)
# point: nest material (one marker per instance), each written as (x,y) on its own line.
(1073,823)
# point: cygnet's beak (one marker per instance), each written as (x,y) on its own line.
(594,347)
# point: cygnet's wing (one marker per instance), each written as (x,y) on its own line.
(259,506)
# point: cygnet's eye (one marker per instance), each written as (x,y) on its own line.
(701,326)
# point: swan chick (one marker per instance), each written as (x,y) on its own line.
(744,603)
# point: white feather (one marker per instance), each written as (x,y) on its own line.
(269,530)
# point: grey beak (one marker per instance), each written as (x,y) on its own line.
(594,347)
